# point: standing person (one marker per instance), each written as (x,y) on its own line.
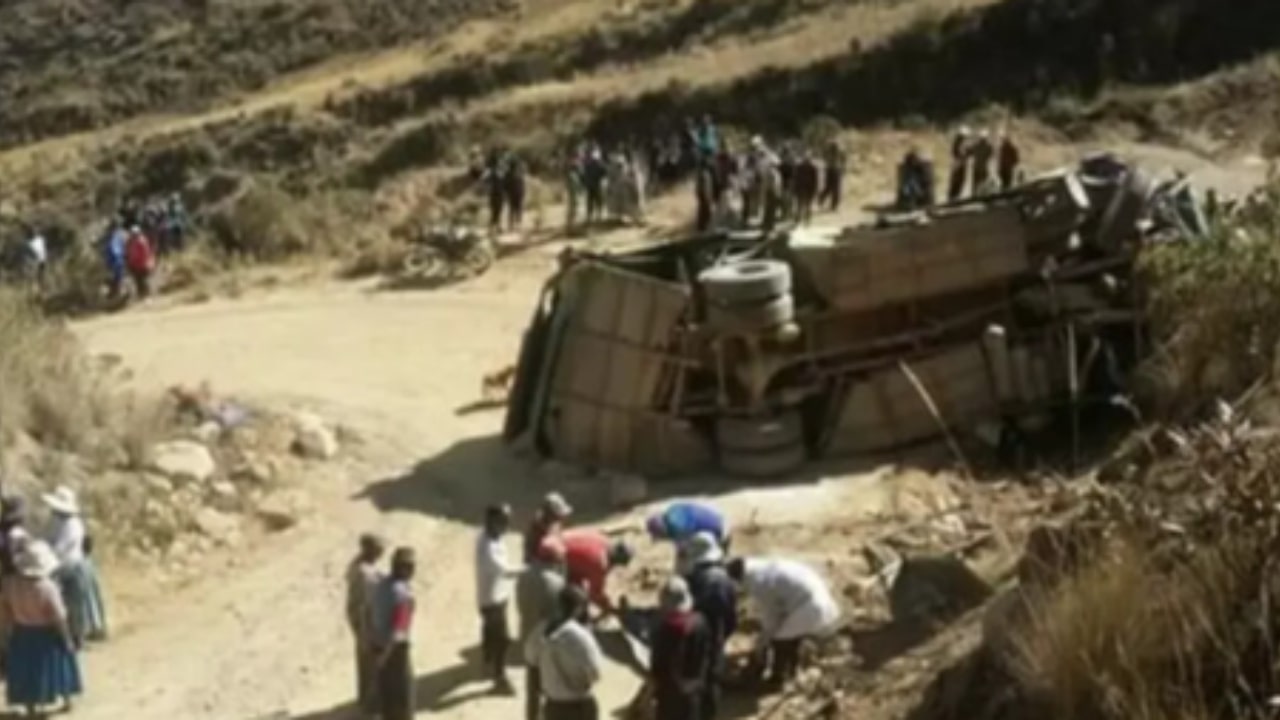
(514,187)
(589,556)
(37,260)
(786,178)
(175,223)
(548,521)
(76,576)
(794,603)
(363,578)
(708,139)
(573,190)
(1009,161)
(493,591)
(834,162)
(983,154)
(568,659)
(715,598)
(495,182)
(41,664)
(140,259)
(12,533)
(805,186)
(680,521)
(704,196)
(680,662)
(594,175)
(393,627)
(961,164)
(537,599)
(113,244)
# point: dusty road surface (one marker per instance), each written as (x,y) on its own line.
(265,639)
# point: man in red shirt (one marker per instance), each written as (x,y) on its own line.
(547,523)
(589,555)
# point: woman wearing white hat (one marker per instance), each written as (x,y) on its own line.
(42,665)
(77,575)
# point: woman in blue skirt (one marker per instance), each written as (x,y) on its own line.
(40,655)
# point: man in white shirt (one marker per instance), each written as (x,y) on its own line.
(494,578)
(37,258)
(794,603)
(569,661)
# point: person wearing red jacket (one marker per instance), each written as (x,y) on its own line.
(589,555)
(140,260)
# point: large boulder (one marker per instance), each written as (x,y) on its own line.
(183,461)
(283,510)
(313,438)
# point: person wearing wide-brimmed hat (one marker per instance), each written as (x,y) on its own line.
(547,522)
(715,596)
(680,663)
(40,654)
(76,575)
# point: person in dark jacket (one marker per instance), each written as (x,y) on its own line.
(1008,162)
(513,183)
(961,164)
(984,152)
(787,177)
(495,181)
(805,187)
(681,659)
(594,172)
(715,598)
(833,169)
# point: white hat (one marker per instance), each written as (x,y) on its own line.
(555,504)
(675,595)
(62,500)
(37,560)
(697,550)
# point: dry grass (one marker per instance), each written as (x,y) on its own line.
(55,395)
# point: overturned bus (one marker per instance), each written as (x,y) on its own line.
(754,354)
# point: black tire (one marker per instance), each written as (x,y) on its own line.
(760,434)
(478,259)
(774,313)
(765,465)
(424,261)
(750,281)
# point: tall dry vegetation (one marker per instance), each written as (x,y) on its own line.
(1175,615)
(54,394)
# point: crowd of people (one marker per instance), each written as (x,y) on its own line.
(137,239)
(563,577)
(50,603)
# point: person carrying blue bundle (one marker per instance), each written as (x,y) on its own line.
(680,521)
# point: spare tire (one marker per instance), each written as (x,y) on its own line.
(741,317)
(765,464)
(749,281)
(756,434)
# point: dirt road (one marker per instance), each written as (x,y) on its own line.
(268,637)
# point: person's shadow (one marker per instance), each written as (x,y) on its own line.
(459,684)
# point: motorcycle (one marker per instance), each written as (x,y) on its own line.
(449,252)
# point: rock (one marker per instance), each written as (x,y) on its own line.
(281,511)
(627,490)
(220,527)
(208,432)
(312,438)
(158,485)
(254,470)
(183,461)
(224,496)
